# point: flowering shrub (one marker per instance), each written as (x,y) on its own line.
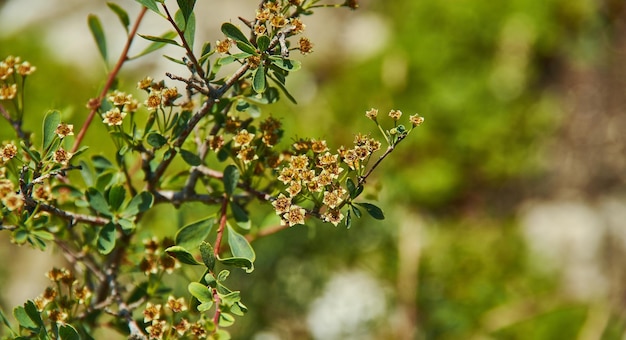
(90,207)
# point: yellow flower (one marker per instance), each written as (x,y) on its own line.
(371,113)
(247,154)
(395,114)
(151,312)
(13,201)
(278,20)
(145,83)
(333,216)
(318,146)
(294,216)
(8,91)
(154,100)
(114,117)
(223,46)
(57,316)
(305,46)
(12,61)
(63,130)
(62,156)
(298,26)
(254,61)
(5,70)
(8,152)
(176,305)
(334,198)
(260,30)
(182,327)
(156,329)
(119,98)
(82,294)
(25,68)
(243,138)
(416,120)
(282,204)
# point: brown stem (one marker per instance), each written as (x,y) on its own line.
(110,80)
(16,124)
(220,229)
(186,46)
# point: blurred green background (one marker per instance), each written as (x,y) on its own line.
(505,210)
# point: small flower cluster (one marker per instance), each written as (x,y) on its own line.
(61,301)
(123,104)
(9,68)
(10,198)
(155,261)
(158,328)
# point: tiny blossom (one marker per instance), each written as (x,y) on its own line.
(198,330)
(299,162)
(182,327)
(49,294)
(298,26)
(68,278)
(301,145)
(120,98)
(333,216)
(5,70)
(216,142)
(334,170)
(247,154)
(168,264)
(25,68)
(350,158)
(8,91)
(13,201)
(157,329)
(294,188)
(373,145)
(133,106)
(263,15)
(294,216)
(327,159)
(232,124)
(8,152)
(279,21)
(254,61)
(371,113)
(82,294)
(395,114)
(57,316)
(362,152)
(325,178)
(145,83)
(272,6)
(260,30)
(282,204)
(42,193)
(151,312)
(40,303)
(62,156)
(63,130)
(154,101)
(149,265)
(56,274)
(151,245)
(176,305)
(318,146)
(243,138)
(416,120)
(307,175)
(169,95)
(223,46)
(305,45)
(12,61)
(114,117)
(334,198)
(314,185)
(287,175)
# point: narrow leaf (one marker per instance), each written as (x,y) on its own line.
(106,238)
(246,47)
(50,123)
(286,64)
(239,246)
(95,26)
(151,5)
(258,82)
(121,14)
(182,255)
(230,179)
(191,235)
(156,45)
(160,39)
(186,7)
(200,292)
(373,210)
(238,262)
(97,202)
(234,33)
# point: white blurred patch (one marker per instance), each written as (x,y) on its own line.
(350,302)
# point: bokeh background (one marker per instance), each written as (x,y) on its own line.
(506,211)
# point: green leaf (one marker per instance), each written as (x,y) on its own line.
(226,320)
(208,257)
(6,322)
(231,298)
(186,7)
(140,203)
(97,202)
(200,292)
(106,238)
(353,189)
(223,275)
(116,197)
(230,179)
(182,255)
(156,45)
(205,306)
(160,39)
(177,61)
(190,157)
(127,225)
(286,64)
(68,332)
(98,34)
(23,319)
(258,81)
(190,30)
(246,48)
(151,5)
(263,42)
(239,246)
(373,210)
(121,14)
(282,87)
(101,163)
(156,140)
(191,235)
(238,262)
(234,33)
(356,211)
(50,123)
(241,216)
(348,220)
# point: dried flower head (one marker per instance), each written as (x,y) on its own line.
(168,264)
(62,156)
(63,130)
(8,92)
(56,274)
(305,46)
(216,142)
(8,152)
(223,46)
(197,329)
(254,61)
(114,117)
(298,25)
(169,95)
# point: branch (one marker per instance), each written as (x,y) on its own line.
(110,80)
(16,125)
